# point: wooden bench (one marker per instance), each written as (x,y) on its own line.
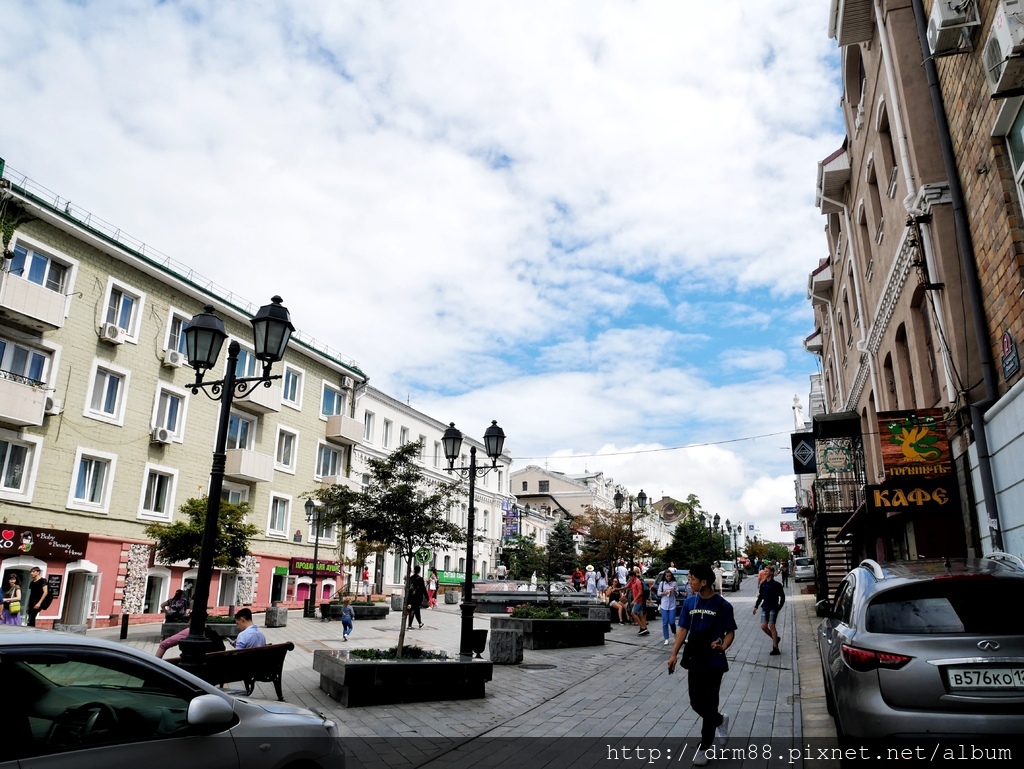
(258,663)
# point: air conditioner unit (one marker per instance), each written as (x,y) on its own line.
(53,406)
(946,24)
(161,435)
(174,359)
(111,333)
(1003,56)
(347,383)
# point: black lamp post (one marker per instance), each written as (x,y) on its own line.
(641,501)
(714,528)
(204,337)
(313,517)
(494,441)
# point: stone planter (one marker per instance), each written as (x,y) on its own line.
(357,683)
(332,611)
(397,599)
(555,633)
(452,596)
(222,629)
(506,647)
(277,616)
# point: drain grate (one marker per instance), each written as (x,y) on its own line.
(536,666)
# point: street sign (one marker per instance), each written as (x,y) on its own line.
(423,555)
(790,510)
(793,526)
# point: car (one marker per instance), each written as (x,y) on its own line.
(86,702)
(928,648)
(803,568)
(731,576)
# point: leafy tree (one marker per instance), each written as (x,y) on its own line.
(525,558)
(777,551)
(182,540)
(692,542)
(756,550)
(561,552)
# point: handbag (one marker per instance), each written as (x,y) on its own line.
(14,607)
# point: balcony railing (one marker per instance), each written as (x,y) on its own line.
(22,400)
(343,429)
(31,305)
(249,466)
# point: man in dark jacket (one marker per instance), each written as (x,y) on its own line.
(37,589)
(417,592)
(771,594)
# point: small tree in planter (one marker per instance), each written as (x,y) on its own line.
(182,540)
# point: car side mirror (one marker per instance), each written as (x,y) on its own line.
(823,608)
(209,710)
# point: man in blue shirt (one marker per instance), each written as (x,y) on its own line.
(771,594)
(249,635)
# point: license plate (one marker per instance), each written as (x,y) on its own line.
(994,679)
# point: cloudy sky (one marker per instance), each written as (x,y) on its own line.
(591,221)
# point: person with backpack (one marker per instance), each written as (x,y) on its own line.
(38,595)
(707,627)
(639,593)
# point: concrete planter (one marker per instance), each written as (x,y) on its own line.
(332,611)
(357,683)
(452,596)
(222,629)
(277,616)
(555,633)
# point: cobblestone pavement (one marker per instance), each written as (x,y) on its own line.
(619,691)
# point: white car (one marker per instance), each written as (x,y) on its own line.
(803,568)
(83,702)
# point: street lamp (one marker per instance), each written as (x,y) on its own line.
(727,540)
(494,441)
(313,517)
(204,337)
(641,501)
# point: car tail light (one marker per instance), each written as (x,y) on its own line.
(866,660)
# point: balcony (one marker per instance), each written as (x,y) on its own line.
(32,306)
(249,466)
(833,176)
(22,401)
(813,343)
(260,399)
(819,284)
(341,480)
(343,429)
(852,21)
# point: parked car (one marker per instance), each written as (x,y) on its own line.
(88,703)
(731,576)
(803,568)
(925,649)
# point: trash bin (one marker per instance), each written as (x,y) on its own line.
(397,599)
(452,596)
(277,616)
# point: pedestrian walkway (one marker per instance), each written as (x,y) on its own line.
(619,691)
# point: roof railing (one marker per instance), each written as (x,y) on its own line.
(1008,558)
(873,567)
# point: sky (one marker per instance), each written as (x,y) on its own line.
(590,221)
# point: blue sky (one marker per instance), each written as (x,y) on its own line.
(591,221)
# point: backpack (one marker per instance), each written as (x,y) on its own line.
(645,589)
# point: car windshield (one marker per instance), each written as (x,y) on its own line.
(948,606)
(804,562)
(728,567)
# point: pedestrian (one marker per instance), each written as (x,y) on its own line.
(249,635)
(636,588)
(12,601)
(602,586)
(211,635)
(719,573)
(36,591)
(620,572)
(577,578)
(417,592)
(772,596)
(432,583)
(175,608)
(784,573)
(502,571)
(668,594)
(347,615)
(762,573)
(591,581)
(616,601)
(707,626)
(366,582)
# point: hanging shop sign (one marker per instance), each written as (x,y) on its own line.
(834,456)
(904,495)
(794,526)
(914,443)
(790,510)
(305,566)
(803,453)
(1011,359)
(47,544)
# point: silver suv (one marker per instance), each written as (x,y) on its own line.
(926,648)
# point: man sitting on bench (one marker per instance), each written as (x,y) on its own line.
(249,635)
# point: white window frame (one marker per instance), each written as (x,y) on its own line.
(174,313)
(283,533)
(101,416)
(368,426)
(103,506)
(31,345)
(320,447)
(324,387)
(254,421)
(242,489)
(34,444)
(50,253)
(169,501)
(301,375)
(179,432)
(330,538)
(138,312)
(250,352)
(403,436)
(385,434)
(295,450)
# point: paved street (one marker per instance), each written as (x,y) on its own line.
(619,692)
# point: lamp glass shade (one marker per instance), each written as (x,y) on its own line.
(618,499)
(718,518)
(310,509)
(641,499)
(728,525)
(204,336)
(271,329)
(452,442)
(494,440)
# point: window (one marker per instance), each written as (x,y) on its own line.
(246,363)
(332,402)
(437,453)
(107,393)
(235,493)
(385,438)
(403,436)
(176,332)
(39,269)
(170,411)
(158,493)
(525,485)
(328,461)
(124,308)
(544,486)
(241,432)
(368,426)
(328,532)
(13,465)
(93,479)
(22,363)
(291,387)
(284,454)
(422,440)
(277,525)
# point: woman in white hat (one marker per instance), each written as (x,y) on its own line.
(591,581)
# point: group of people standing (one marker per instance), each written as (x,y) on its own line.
(37,599)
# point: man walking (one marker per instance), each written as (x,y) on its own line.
(636,587)
(36,590)
(772,596)
(417,592)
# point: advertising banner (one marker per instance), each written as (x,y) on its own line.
(914,444)
(47,544)
(803,454)
(305,566)
(794,526)
(902,495)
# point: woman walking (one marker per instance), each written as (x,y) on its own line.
(432,582)
(668,592)
(347,615)
(12,601)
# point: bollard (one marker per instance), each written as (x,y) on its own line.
(124,627)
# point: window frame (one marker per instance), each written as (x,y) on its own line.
(283,533)
(33,445)
(103,506)
(169,501)
(368,425)
(29,243)
(300,375)
(244,491)
(246,349)
(251,435)
(286,468)
(173,313)
(178,433)
(322,446)
(385,433)
(122,398)
(324,387)
(138,311)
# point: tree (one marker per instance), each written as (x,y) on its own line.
(402,511)
(525,558)
(182,540)
(561,552)
(608,535)
(756,550)
(777,551)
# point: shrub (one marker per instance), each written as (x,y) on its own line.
(408,653)
(529,611)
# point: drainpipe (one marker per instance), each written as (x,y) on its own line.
(973,283)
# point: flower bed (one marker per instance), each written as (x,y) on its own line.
(555,633)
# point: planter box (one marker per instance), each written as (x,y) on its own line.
(357,683)
(555,633)
(332,611)
(224,630)
(276,616)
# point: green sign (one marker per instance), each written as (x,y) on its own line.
(423,555)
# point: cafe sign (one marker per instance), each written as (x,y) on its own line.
(913,495)
(46,544)
(914,444)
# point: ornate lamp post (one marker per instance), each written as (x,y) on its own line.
(717,524)
(641,501)
(728,539)
(204,337)
(313,517)
(494,441)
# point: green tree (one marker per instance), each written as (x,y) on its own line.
(561,552)
(756,550)
(777,552)
(182,540)
(525,558)
(607,537)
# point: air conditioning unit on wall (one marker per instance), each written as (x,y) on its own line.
(174,359)
(53,406)
(111,333)
(947,22)
(1003,57)
(161,435)
(347,383)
